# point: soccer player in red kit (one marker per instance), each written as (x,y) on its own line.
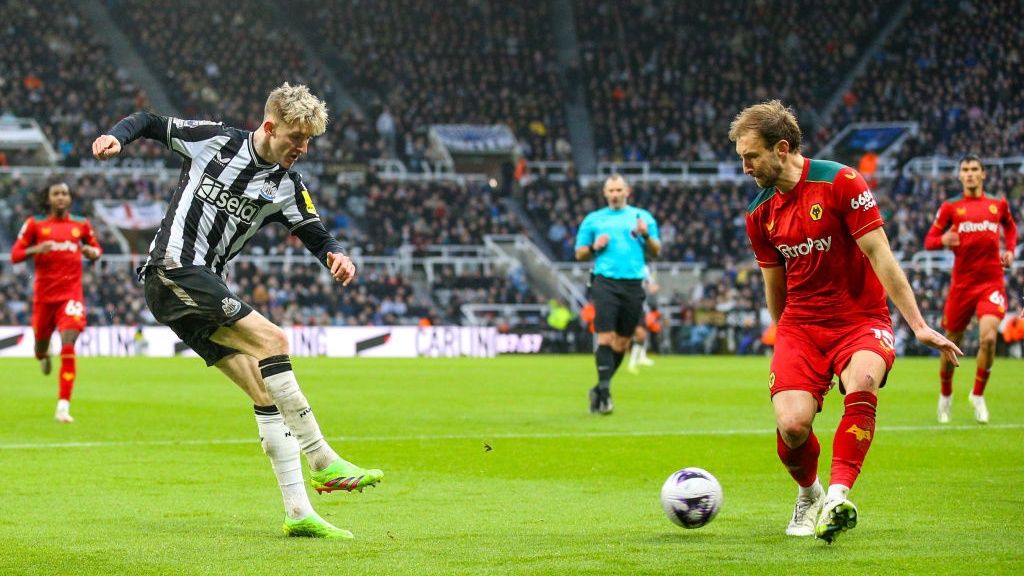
(969,226)
(817,236)
(57,241)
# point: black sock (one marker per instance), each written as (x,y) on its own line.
(605,359)
(618,356)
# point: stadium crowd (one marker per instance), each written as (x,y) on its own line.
(424,63)
(211,77)
(955,68)
(60,73)
(703,225)
(664,79)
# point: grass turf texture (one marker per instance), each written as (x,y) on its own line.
(162,473)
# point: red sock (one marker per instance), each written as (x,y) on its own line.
(853,437)
(802,461)
(980,380)
(67,371)
(946,382)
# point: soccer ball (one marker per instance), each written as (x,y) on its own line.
(691,497)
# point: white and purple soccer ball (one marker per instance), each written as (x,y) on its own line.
(691,497)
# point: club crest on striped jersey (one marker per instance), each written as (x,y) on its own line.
(230,306)
(268,190)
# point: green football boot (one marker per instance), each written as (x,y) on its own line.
(837,516)
(313,526)
(344,475)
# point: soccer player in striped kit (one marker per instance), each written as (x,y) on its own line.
(56,241)
(817,235)
(969,225)
(233,183)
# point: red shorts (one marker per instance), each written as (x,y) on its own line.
(67,315)
(807,356)
(963,303)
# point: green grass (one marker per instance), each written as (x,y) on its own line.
(162,472)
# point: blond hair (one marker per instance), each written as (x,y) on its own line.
(772,120)
(296,106)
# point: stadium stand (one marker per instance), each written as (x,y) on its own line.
(395,214)
(449,62)
(666,78)
(955,68)
(662,82)
(698,225)
(58,72)
(213,69)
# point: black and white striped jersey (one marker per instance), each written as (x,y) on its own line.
(224,195)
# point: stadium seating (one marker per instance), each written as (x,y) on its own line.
(448,62)
(664,79)
(955,68)
(421,214)
(58,71)
(222,66)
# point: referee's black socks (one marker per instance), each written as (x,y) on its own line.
(607,363)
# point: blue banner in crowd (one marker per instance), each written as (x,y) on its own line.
(475,138)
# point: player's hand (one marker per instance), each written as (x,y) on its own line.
(44,247)
(1006,258)
(949,350)
(90,252)
(950,239)
(342,268)
(601,242)
(106,146)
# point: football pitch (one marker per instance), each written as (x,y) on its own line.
(494,467)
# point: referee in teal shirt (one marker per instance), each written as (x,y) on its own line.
(620,238)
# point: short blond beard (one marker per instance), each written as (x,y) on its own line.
(296,106)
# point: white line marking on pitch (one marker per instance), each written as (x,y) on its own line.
(491,435)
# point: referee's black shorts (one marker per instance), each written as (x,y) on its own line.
(618,304)
(194,302)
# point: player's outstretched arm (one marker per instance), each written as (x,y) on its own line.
(875,246)
(328,251)
(105,147)
(342,268)
(129,129)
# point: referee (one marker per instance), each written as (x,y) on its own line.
(619,238)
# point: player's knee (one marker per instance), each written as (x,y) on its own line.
(275,341)
(987,340)
(794,430)
(861,382)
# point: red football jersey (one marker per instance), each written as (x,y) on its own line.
(59,271)
(812,230)
(977,221)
